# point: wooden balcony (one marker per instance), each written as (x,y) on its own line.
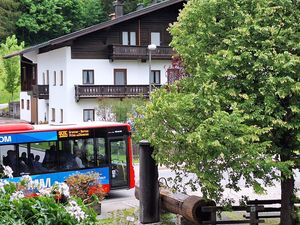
(111,91)
(139,52)
(40,91)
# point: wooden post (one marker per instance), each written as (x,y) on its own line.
(253,215)
(149,190)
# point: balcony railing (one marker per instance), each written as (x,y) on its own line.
(40,91)
(111,91)
(139,52)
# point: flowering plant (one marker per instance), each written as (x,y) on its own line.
(86,187)
(26,202)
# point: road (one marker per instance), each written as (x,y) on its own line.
(123,199)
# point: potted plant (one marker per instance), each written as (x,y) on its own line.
(88,188)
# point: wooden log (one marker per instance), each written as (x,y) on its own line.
(187,206)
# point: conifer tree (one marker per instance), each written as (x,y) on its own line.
(9,14)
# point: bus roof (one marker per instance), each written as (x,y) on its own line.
(20,127)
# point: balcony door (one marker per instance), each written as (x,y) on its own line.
(120,77)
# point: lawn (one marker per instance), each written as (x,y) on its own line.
(5,96)
(130,216)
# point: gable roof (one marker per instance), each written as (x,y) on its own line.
(97,27)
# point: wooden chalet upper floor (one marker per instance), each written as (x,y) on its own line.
(124,38)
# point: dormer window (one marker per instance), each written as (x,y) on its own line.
(128,38)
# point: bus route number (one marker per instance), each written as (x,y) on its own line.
(73,133)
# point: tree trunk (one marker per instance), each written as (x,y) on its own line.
(287,216)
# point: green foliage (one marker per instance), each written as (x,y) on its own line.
(32,209)
(129,6)
(10,68)
(44,20)
(239,111)
(122,110)
(9,13)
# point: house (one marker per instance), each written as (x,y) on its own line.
(63,79)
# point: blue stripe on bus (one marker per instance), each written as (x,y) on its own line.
(28,137)
(48,179)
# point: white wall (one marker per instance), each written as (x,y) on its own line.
(55,60)
(25,114)
(137,73)
(63,97)
(43,111)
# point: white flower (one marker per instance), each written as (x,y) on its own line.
(16,195)
(74,210)
(8,171)
(26,178)
(63,188)
(45,191)
(2,184)
(28,181)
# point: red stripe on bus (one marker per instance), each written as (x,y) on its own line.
(131,170)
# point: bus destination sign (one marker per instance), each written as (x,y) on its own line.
(73,133)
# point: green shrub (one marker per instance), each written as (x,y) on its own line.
(25,203)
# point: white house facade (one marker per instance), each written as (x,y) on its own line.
(61,73)
(62,80)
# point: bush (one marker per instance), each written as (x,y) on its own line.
(86,187)
(25,203)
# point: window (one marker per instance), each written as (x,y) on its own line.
(22,103)
(53,114)
(28,103)
(61,115)
(54,78)
(88,115)
(47,77)
(155,38)
(61,78)
(88,76)
(128,38)
(155,77)
(120,76)
(44,78)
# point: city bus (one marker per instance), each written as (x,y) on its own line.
(51,153)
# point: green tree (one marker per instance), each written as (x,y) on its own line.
(120,110)
(92,12)
(10,68)
(44,20)
(129,6)
(9,13)
(239,111)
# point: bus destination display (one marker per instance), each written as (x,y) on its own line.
(73,133)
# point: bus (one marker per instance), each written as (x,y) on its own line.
(51,153)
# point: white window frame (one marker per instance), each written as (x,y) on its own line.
(86,115)
(155,38)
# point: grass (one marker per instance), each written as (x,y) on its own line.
(130,217)
(239,216)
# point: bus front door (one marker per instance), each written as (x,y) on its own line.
(119,163)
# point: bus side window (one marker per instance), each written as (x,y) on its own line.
(9,157)
(87,152)
(66,158)
(49,160)
(101,153)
